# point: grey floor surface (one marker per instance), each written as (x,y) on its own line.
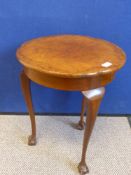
(58,150)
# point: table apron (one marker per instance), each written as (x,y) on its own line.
(69,84)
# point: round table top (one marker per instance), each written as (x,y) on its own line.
(71,55)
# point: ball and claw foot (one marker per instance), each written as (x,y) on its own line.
(80,125)
(31,140)
(83,169)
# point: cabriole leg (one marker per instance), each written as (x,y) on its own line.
(94,98)
(81,123)
(25,84)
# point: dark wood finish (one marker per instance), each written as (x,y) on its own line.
(93,107)
(25,84)
(69,62)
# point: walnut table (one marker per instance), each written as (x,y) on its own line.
(70,62)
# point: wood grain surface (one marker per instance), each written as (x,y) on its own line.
(71,56)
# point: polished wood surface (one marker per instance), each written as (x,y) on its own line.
(70,62)
(70,56)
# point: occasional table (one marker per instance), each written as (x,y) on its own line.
(70,62)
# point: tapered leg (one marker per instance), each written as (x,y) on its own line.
(94,98)
(81,123)
(25,84)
